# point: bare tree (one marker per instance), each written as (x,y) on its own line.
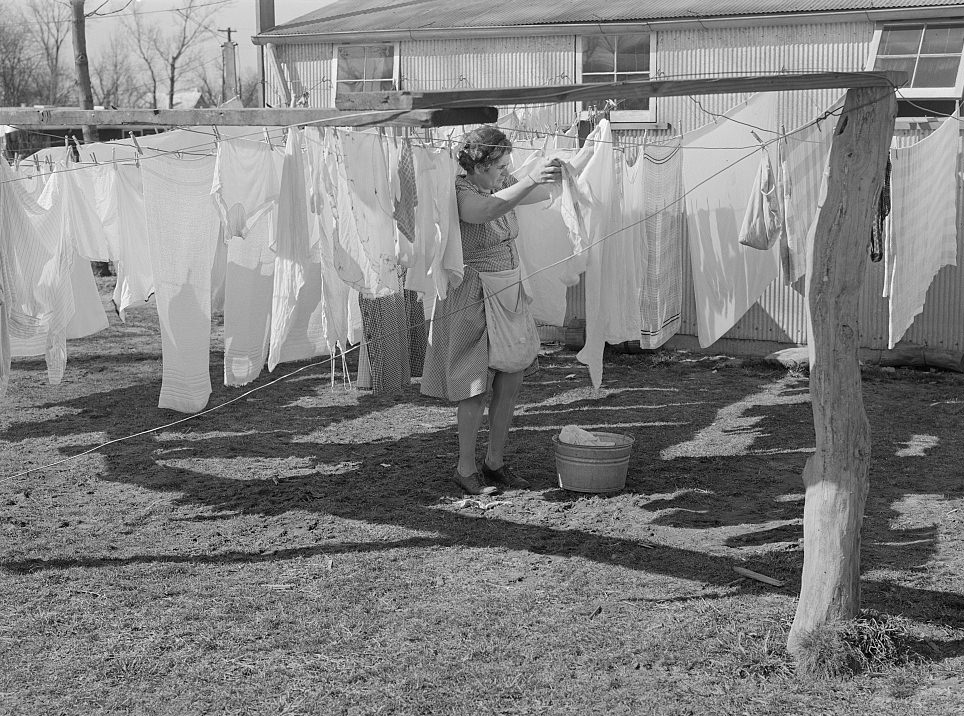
(20,66)
(250,90)
(170,56)
(47,23)
(112,82)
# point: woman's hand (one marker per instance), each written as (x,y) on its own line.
(547,171)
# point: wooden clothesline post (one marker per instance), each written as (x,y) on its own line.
(836,476)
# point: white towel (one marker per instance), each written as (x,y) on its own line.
(718,174)
(660,297)
(182,229)
(923,236)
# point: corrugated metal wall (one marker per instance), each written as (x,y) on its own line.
(491,62)
(307,69)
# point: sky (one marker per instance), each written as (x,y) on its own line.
(236,14)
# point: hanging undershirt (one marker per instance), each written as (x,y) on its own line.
(85,226)
(182,230)
(323,201)
(35,266)
(365,224)
(718,174)
(553,250)
(297,312)
(97,186)
(437,258)
(246,184)
(660,298)
(543,245)
(83,234)
(612,278)
(245,190)
(135,277)
(923,235)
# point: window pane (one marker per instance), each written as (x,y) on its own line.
(900,64)
(632,53)
(903,41)
(633,104)
(936,72)
(378,65)
(351,63)
(598,53)
(943,41)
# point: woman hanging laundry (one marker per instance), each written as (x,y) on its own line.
(475,345)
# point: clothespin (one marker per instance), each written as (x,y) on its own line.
(756,136)
(217,134)
(136,145)
(113,158)
(36,163)
(16,162)
(50,164)
(267,138)
(94,157)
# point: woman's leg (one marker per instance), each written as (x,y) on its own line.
(469,419)
(505,390)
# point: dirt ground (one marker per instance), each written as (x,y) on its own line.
(301,549)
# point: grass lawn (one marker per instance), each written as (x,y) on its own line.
(301,551)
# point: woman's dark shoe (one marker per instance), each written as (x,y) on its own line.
(504,478)
(472,485)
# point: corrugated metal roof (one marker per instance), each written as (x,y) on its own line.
(354,16)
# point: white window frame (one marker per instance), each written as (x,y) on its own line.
(946,93)
(396,74)
(618,116)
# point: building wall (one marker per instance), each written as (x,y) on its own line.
(780,315)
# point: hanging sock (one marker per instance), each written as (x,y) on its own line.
(883,211)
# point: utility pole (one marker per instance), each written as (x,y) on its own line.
(79,35)
(230,86)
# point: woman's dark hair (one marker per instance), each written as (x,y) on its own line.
(482,147)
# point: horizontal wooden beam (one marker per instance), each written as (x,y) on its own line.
(66,117)
(629,89)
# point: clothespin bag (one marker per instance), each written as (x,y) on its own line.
(763,220)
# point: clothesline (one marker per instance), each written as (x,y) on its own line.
(328,360)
